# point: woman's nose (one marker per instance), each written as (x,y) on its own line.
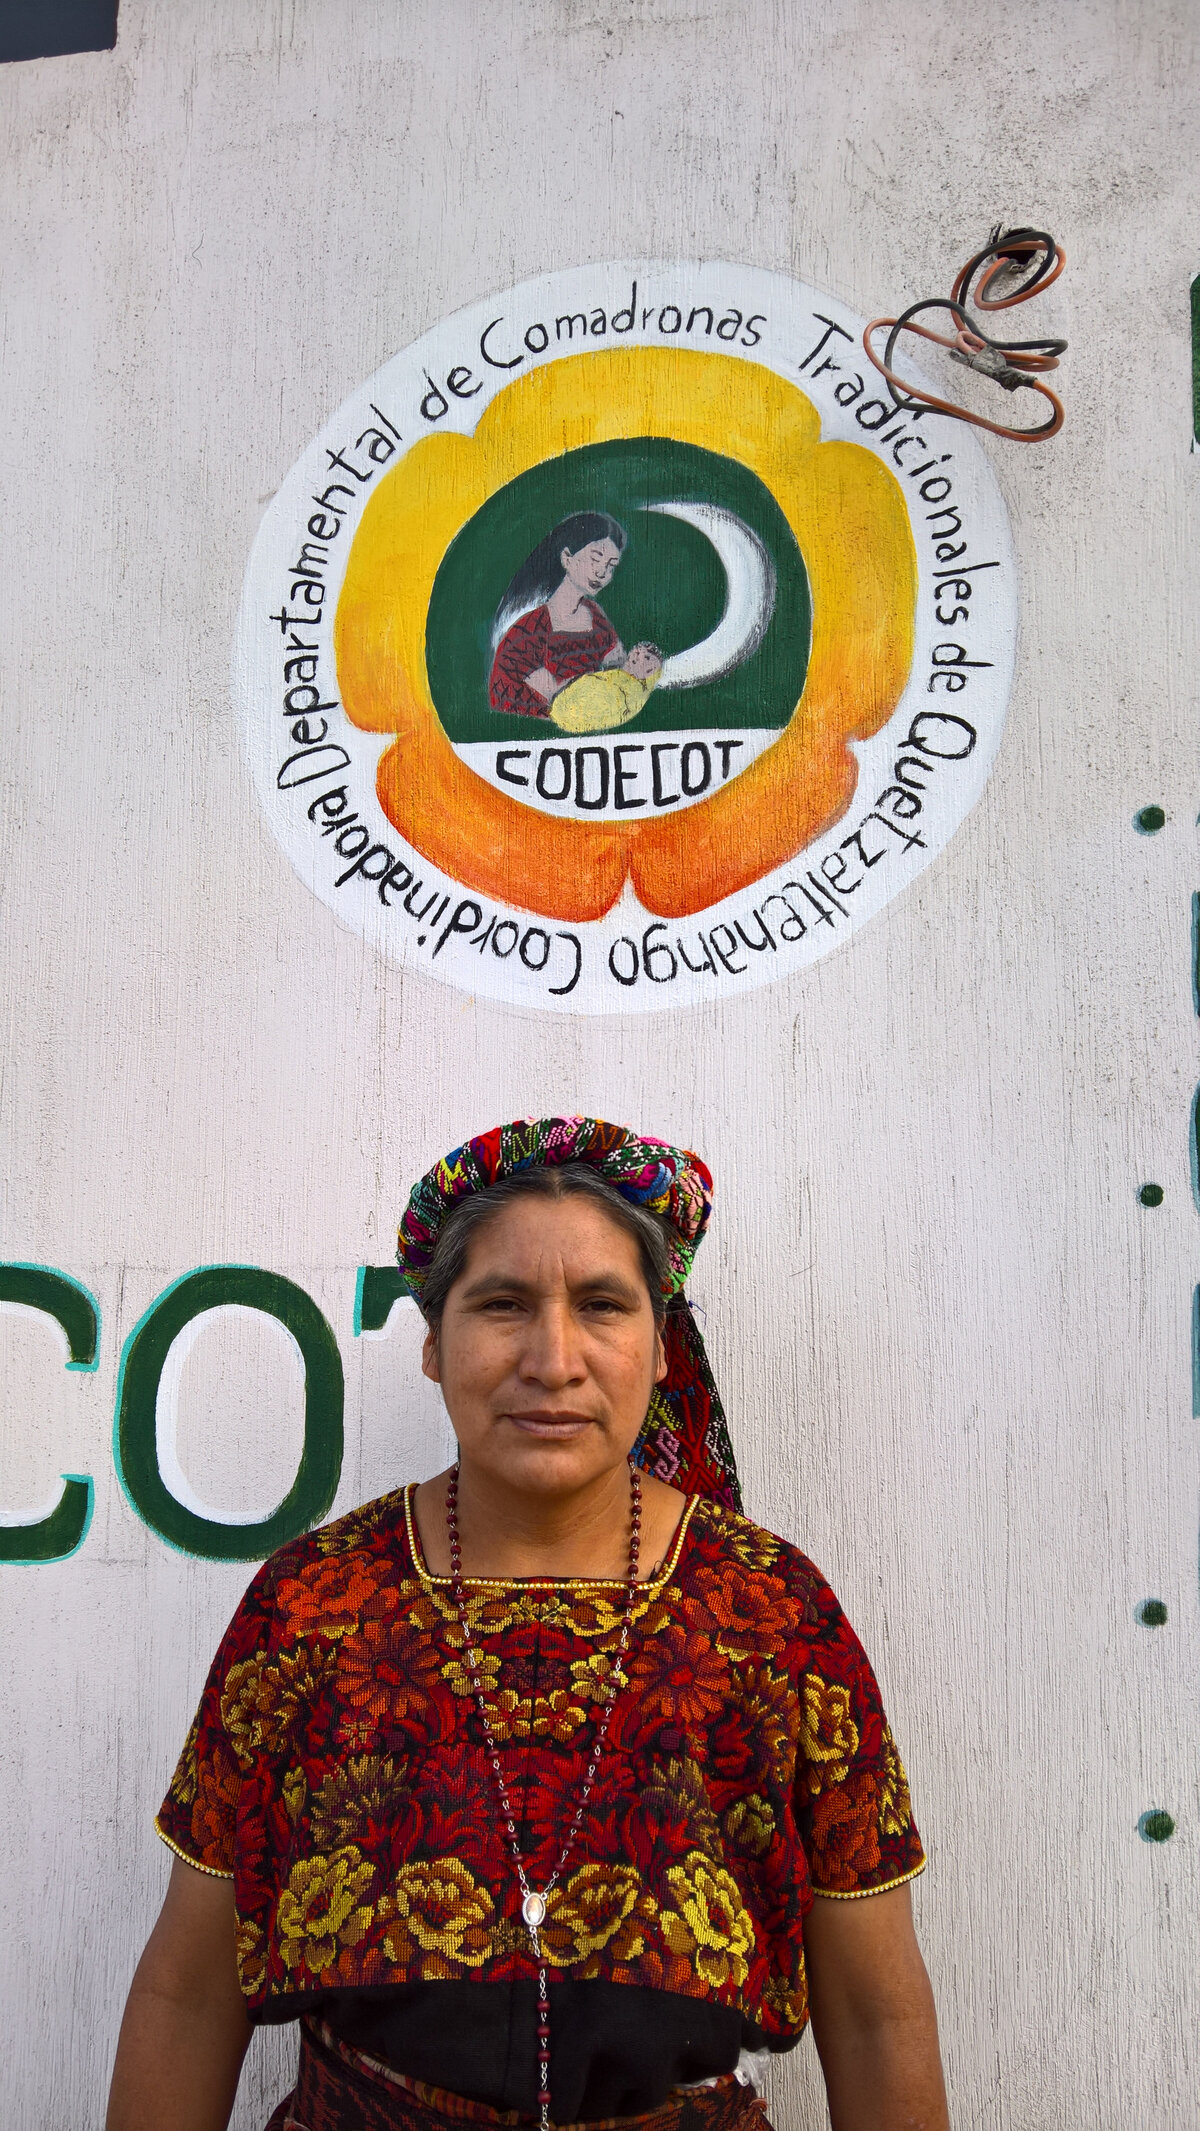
(552,1352)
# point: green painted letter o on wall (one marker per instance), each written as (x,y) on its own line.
(136,1450)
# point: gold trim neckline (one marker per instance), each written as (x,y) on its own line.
(650,1587)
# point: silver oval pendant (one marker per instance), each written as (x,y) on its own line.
(533,1909)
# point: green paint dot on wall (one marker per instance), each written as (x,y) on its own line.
(1150,1195)
(1152,1613)
(1149,820)
(1156,1827)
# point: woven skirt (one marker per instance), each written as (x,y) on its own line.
(340,2089)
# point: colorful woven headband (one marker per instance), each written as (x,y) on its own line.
(685,1439)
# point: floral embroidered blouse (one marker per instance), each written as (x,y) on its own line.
(335,1770)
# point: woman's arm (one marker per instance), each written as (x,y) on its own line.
(519,664)
(873,2016)
(543,683)
(185,2030)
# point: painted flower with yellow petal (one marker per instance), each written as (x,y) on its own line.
(849,520)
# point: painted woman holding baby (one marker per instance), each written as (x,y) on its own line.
(549,629)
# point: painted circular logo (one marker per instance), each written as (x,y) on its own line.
(617,646)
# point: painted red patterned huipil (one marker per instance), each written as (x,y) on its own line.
(532,642)
(335,1769)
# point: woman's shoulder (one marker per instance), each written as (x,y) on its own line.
(368,1532)
(600,620)
(749,1552)
(527,627)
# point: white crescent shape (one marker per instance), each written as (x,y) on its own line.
(749,596)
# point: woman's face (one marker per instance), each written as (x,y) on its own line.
(548,1350)
(589,569)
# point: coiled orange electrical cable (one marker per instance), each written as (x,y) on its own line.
(1011,363)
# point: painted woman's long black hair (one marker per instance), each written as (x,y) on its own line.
(540,577)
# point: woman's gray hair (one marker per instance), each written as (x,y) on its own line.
(563,1180)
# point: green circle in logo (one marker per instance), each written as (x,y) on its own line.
(694,522)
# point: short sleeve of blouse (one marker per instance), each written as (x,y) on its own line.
(852,1803)
(198,1816)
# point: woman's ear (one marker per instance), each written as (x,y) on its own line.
(564,558)
(661,1351)
(429,1356)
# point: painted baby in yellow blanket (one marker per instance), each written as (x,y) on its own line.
(597,702)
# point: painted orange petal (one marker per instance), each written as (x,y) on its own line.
(753,826)
(559,869)
(853,530)
(572,871)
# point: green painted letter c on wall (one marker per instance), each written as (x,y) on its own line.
(39,1287)
(135,1447)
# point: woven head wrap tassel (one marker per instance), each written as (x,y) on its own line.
(684,1439)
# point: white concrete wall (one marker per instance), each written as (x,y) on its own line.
(956,1351)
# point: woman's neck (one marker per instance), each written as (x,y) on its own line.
(569,610)
(504,1533)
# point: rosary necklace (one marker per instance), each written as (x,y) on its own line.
(533,1900)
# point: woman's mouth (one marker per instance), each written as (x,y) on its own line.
(550,1424)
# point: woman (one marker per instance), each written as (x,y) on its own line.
(549,630)
(542,1791)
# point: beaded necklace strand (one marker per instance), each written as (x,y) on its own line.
(533,1901)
